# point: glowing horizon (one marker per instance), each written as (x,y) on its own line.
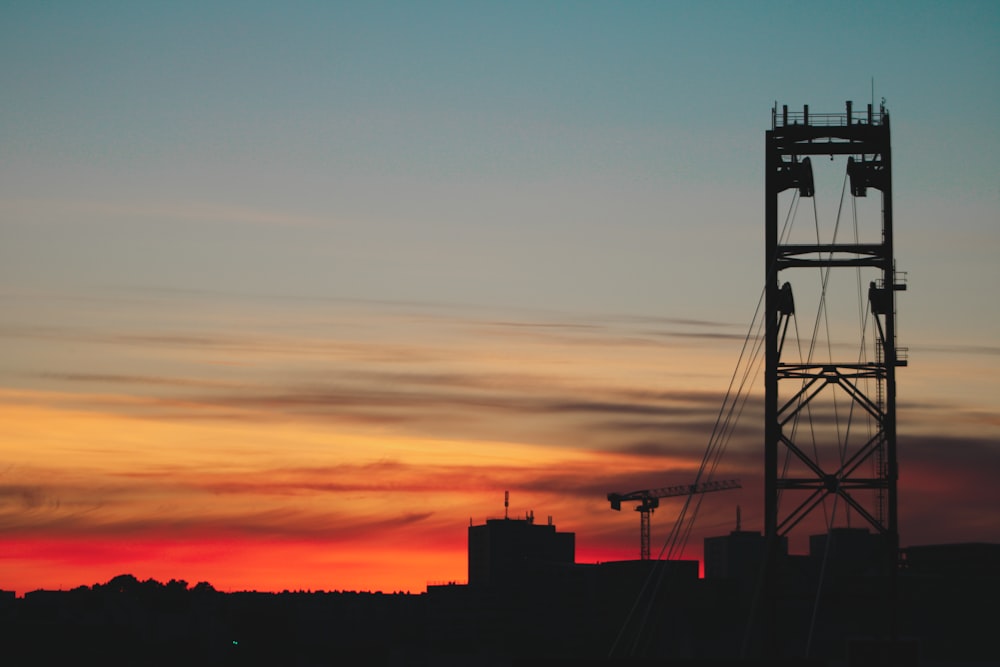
(345,482)
(290,295)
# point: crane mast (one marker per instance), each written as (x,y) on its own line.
(649,500)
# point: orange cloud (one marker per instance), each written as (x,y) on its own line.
(333,455)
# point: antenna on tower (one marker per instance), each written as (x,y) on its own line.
(739,520)
(506,503)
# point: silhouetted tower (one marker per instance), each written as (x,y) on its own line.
(810,457)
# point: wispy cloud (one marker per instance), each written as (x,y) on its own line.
(189,212)
(408,420)
(989,350)
(132,380)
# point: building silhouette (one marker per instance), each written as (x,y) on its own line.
(529,603)
(502,551)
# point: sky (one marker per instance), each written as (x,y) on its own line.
(293,292)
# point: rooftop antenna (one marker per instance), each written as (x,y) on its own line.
(506,503)
(739,521)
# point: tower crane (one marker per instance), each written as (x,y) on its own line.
(649,500)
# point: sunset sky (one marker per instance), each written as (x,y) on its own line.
(291,292)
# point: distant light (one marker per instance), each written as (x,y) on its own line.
(235,643)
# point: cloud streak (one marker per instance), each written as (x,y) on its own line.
(191,213)
(323,433)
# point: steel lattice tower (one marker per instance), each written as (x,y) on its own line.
(797,479)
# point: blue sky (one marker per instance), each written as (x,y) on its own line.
(542,180)
(543,129)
